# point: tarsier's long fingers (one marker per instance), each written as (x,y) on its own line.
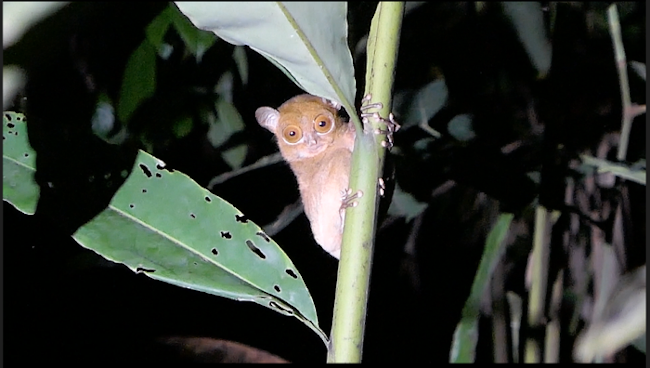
(391,125)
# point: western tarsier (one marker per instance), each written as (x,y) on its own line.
(317,143)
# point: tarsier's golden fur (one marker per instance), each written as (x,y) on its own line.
(318,145)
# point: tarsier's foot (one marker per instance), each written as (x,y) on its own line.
(391,125)
(348,198)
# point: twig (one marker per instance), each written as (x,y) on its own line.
(621,66)
(264,161)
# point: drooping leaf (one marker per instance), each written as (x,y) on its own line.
(197,41)
(425,103)
(308,41)
(228,122)
(139,81)
(157,29)
(239,55)
(463,348)
(162,223)
(18,164)
(528,20)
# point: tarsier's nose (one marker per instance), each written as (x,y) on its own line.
(311,140)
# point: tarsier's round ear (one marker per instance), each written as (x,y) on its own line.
(332,103)
(267,117)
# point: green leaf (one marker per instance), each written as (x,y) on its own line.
(425,104)
(13,79)
(235,156)
(528,20)
(183,127)
(404,205)
(460,127)
(163,224)
(308,40)
(19,16)
(639,68)
(228,122)
(196,40)
(139,81)
(157,29)
(620,170)
(466,334)
(192,238)
(239,55)
(18,165)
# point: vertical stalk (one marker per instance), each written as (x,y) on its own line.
(621,66)
(538,284)
(351,299)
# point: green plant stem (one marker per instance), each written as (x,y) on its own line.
(621,66)
(350,305)
(463,349)
(538,285)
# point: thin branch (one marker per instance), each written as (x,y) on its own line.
(264,161)
(621,66)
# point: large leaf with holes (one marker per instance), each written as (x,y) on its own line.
(306,40)
(163,224)
(18,163)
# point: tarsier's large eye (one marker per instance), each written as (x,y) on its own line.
(292,134)
(323,124)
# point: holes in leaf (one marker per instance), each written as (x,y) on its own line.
(26,155)
(145,170)
(131,205)
(144,190)
(243,219)
(196,264)
(291,273)
(15,133)
(10,125)
(158,175)
(277,288)
(215,251)
(226,234)
(264,236)
(8,116)
(192,215)
(142,269)
(255,249)
(162,166)
(207,199)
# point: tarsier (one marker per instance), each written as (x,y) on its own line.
(317,143)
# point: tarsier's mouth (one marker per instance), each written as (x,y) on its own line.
(316,149)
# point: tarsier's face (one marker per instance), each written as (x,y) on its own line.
(309,134)
(305,126)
